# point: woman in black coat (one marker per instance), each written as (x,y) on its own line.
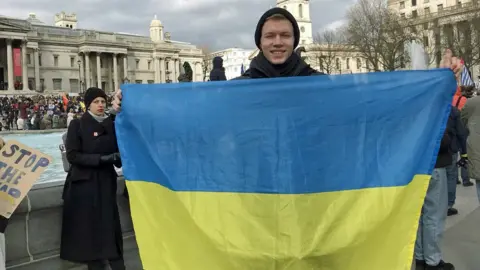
(91,231)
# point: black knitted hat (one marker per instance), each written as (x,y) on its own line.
(91,94)
(268,14)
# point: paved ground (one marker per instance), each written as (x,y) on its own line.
(462,238)
(461,243)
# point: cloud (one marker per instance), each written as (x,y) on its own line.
(217,24)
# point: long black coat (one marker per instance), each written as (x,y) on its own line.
(91,224)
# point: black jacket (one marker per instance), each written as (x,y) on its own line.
(91,227)
(444,158)
(218,71)
(459,132)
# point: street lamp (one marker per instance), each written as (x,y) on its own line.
(79,75)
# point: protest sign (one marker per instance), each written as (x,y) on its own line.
(20,167)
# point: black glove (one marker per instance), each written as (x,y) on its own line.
(110,159)
(463,161)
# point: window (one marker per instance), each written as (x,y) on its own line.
(427,10)
(40,59)
(55,61)
(149,64)
(138,81)
(300,10)
(337,63)
(414,3)
(425,41)
(72,61)
(402,5)
(303,41)
(440,7)
(284,7)
(57,84)
(425,26)
(359,63)
(348,63)
(101,64)
(459,3)
(414,14)
(74,86)
(402,15)
(150,81)
(29,59)
(137,64)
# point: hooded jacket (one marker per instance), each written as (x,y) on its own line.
(218,72)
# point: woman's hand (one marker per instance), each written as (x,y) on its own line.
(117,101)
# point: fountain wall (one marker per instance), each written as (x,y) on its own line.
(33,233)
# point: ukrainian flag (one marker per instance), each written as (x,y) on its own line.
(322,172)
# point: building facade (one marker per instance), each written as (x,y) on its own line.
(444,23)
(233,59)
(63,58)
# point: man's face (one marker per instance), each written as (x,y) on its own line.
(277,40)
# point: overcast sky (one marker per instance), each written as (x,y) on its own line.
(216,24)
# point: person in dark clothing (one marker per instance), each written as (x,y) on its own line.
(458,144)
(428,253)
(91,230)
(277,35)
(218,71)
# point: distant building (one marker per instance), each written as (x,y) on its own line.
(233,59)
(69,59)
(438,20)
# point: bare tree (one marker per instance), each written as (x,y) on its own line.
(379,35)
(206,61)
(326,49)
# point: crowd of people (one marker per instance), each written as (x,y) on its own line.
(39,112)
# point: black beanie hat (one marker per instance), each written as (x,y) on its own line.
(271,12)
(91,94)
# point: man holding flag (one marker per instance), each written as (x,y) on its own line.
(241,195)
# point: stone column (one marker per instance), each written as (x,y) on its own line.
(99,72)
(115,72)
(37,69)
(162,70)
(82,73)
(87,70)
(172,70)
(177,69)
(11,83)
(156,66)
(125,70)
(24,66)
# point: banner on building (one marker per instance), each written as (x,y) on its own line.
(17,62)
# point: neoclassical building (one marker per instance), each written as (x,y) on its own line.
(63,58)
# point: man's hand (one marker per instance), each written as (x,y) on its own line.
(463,162)
(117,101)
(453,63)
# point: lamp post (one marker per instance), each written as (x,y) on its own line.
(80,76)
